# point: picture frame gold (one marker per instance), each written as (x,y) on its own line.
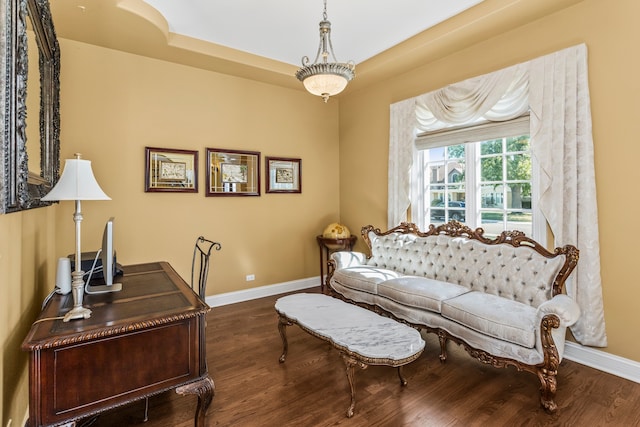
(170,170)
(232,172)
(283,175)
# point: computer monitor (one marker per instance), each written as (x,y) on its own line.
(107,254)
(108,261)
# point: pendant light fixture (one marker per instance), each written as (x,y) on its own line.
(324,78)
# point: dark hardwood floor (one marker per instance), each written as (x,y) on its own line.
(311,388)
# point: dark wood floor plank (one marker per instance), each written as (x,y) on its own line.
(311,388)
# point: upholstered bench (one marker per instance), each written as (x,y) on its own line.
(363,338)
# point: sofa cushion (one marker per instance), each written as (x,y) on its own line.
(420,292)
(363,278)
(494,316)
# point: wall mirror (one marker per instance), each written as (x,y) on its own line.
(31,121)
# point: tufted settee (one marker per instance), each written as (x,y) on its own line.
(500,299)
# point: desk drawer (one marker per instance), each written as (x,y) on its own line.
(103,373)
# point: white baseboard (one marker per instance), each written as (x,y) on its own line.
(262,291)
(603,361)
(597,359)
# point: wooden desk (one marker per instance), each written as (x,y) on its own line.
(146,339)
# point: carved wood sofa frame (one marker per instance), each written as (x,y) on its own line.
(545,371)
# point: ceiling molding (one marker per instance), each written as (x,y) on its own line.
(135,27)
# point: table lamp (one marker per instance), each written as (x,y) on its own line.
(77,183)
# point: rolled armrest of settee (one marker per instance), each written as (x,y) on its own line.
(344,259)
(562,306)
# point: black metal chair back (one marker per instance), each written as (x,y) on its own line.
(200,264)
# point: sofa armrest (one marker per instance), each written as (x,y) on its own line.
(344,259)
(562,306)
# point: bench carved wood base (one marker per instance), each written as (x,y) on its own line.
(283,322)
(351,360)
(351,364)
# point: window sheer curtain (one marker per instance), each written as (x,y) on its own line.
(555,90)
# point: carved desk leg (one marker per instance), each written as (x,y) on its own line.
(282,324)
(351,363)
(204,389)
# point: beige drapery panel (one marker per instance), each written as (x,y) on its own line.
(401,149)
(561,139)
(555,90)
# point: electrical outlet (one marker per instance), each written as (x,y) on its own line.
(251,277)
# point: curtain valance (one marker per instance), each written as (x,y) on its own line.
(498,96)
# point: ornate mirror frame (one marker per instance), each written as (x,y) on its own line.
(21,189)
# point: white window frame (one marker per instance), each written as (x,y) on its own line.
(483,131)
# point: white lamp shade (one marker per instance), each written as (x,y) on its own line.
(76,183)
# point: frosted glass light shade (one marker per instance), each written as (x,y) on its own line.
(326,79)
(76,183)
(325,84)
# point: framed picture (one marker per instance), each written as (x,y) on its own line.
(283,175)
(233,172)
(168,170)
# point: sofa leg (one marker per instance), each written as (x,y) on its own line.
(548,371)
(548,386)
(443,346)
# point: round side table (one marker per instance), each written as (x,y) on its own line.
(328,246)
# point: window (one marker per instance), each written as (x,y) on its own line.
(445,184)
(487,182)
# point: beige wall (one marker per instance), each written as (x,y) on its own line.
(27,267)
(611,34)
(113,104)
